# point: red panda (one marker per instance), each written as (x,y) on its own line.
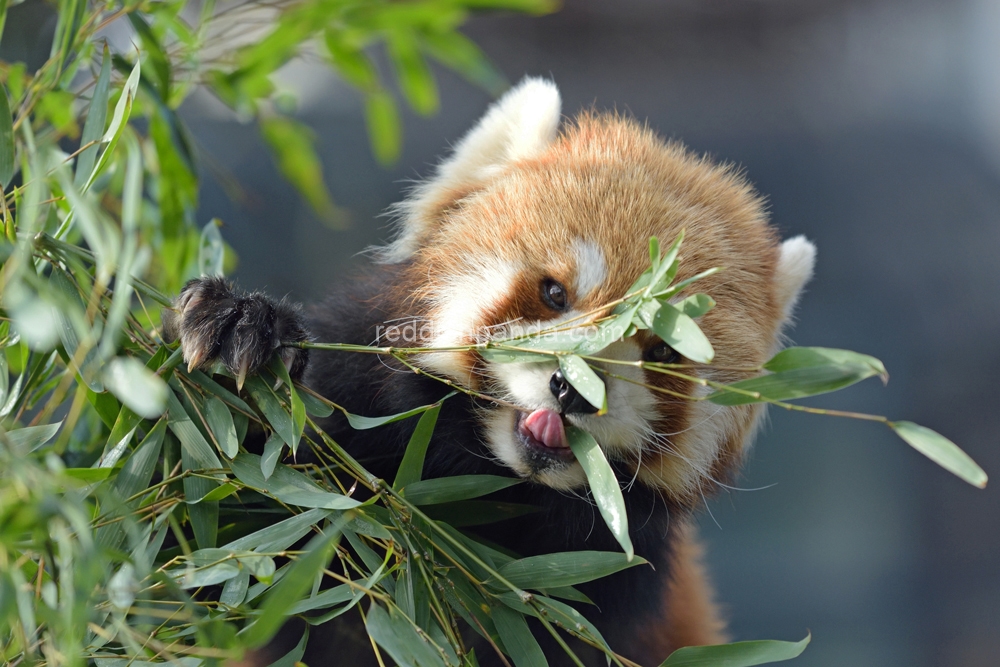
(529,224)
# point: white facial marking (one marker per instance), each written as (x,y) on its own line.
(459,307)
(591,269)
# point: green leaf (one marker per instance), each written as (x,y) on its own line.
(287,485)
(294,656)
(801,372)
(412,465)
(276,414)
(292,144)
(298,410)
(6,141)
(93,129)
(583,378)
(793,358)
(220,422)
(155,56)
(274,609)
(196,455)
(415,78)
(272,452)
(603,485)
(211,250)
(739,654)
(119,120)
(316,407)
(32,437)
(352,63)
(665,268)
(281,535)
(521,645)
(142,390)
(459,487)
(695,305)
(462,55)
(397,636)
(565,569)
(679,332)
(324,599)
(384,127)
(941,450)
(88,475)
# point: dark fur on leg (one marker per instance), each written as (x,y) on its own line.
(243,330)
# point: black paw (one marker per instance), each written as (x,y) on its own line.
(242,330)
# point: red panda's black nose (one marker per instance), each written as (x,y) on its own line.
(570,400)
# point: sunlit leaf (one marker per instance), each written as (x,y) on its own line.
(603,485)
(136,386)
(583,378)
(680,332)
(211,250)
(31,438)
(415,78)
(384,127)
(93,129)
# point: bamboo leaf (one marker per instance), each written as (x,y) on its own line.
(801,372)
(220,421)
(603,485)
(211,250)
(119,120)
(739,654)
(93,129)
(396,634)
(384,127)
(414,76)
(565,569)
(942,451)
(287,485)
(292,144)
(272,452)
(291,588)
(679,331)
(276,414)
(583,378)
(521,645)
(142,390)
(412,465)
(281,535)
(462,55)
(6,138)
(459,487)
(32,437)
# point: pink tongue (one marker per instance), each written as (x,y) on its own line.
(546,427)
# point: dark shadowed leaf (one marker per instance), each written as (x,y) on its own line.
(396,634)
(603,485)
(477,512)
(460,487)
(291,588)
(220,421)
(565,569)
(739,654)
(412,466)
(941,450)
(276,414)
(521,645)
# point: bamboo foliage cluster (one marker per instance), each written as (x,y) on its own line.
(135,527)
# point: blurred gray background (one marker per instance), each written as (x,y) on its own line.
(873,127)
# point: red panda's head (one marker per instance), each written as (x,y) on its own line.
(525,226)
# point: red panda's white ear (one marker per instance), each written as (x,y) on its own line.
(796,260)
(519,125)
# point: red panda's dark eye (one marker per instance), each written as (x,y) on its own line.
(554,294)
(662,353)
